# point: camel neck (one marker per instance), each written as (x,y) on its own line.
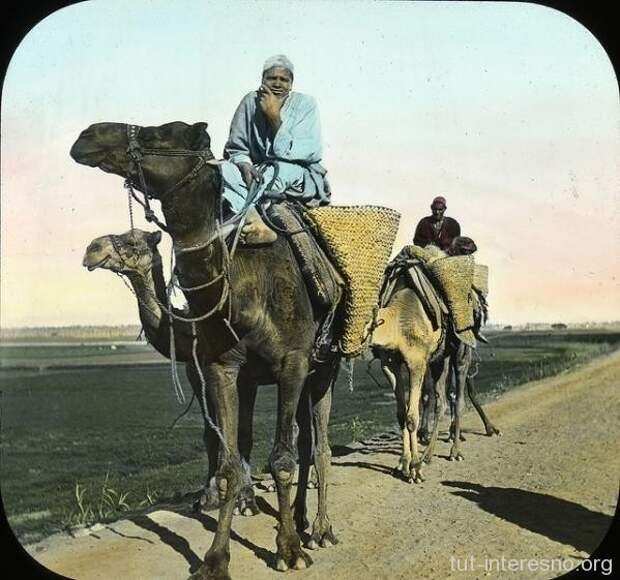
(191,212)
(148,300)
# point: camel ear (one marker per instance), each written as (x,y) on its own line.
(154,238)
(199,136)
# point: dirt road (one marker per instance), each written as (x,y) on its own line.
(523,505)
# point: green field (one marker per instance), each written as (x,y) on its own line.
(85,429)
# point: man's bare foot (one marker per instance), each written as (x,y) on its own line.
(255,231)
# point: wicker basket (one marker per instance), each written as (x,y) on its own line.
(425,254)
(455,274)
(359,240)
(481,278)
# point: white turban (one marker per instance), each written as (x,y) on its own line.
(279,60)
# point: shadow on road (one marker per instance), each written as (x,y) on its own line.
(265,507)
(181,545)
(558,519)
(210,524)
(168,537)
(366,465)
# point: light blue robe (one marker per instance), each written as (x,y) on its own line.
(296,149)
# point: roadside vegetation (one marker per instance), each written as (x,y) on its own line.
(89,443)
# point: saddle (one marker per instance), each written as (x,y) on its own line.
(414,273)
(324,283)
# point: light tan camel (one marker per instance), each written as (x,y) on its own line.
(135,255)
(405,336)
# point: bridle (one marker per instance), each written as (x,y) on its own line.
(205,157)
(136,154)
(126,249)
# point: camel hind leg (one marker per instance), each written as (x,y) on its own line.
(283,461)
(460,361)
(322,533)
(313,419)
(439,374)
(473,397)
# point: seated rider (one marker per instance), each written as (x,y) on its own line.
(274,146)
(437,229)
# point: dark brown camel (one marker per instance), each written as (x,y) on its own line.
(273,322)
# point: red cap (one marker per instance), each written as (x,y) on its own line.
(439,202)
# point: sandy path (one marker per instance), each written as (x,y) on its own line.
(546,491)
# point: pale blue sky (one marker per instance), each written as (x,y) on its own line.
(510,110)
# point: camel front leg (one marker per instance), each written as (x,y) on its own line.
(221,381)
(417,369)
(473,397)
(322,532)
(282,460)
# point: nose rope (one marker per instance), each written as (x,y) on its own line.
(130,209)
(176,382)
(203,390)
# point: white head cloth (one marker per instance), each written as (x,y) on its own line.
(278,60)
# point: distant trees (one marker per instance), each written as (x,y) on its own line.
(559,326)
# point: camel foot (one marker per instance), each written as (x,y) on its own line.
(246,503)
(492,430)
(424,437)
(416,475)
(292,558)
(268,485)
(452,437)
(322,535)
(403,469)
(208,501)
(215,567)
(456,455)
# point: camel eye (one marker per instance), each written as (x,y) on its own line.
(94,247)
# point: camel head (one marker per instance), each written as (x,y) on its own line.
(107,146)
(133,252)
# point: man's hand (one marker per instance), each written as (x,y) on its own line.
(271,104)
(249,173)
